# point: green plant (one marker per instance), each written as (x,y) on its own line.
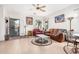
(38,23)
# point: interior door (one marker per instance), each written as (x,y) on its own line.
(14,27)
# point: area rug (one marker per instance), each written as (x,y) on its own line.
(38,42)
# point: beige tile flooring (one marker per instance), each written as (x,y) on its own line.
(25,46)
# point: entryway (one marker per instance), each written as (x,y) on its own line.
(12,28)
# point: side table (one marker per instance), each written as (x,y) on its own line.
(76,37)
(69,49)
(30,33)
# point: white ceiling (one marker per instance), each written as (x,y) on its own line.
(28,9)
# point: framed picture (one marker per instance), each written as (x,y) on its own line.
(59,18)
(29,20)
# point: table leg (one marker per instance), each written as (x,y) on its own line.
(75,46)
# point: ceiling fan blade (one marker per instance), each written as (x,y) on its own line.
(42,10)
(42,6)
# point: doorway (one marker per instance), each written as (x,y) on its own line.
(14,27)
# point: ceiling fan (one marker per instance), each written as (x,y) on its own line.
(39,7)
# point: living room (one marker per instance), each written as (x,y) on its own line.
(38,25)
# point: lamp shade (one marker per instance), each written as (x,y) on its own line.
(70,18)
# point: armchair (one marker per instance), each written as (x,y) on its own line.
(56,35)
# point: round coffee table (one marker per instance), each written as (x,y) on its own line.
(42,40)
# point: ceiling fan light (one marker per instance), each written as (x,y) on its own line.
(39,7)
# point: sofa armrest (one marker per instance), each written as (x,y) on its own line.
(47,32)
(62,37)
(58,33)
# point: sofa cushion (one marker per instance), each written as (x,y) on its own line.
(37,31)
(51,30)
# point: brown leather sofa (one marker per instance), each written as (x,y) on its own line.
(55,34)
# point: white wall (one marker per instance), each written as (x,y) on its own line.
(13,14)
(69,11)
(2,24)
(22,18)
(28,27)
